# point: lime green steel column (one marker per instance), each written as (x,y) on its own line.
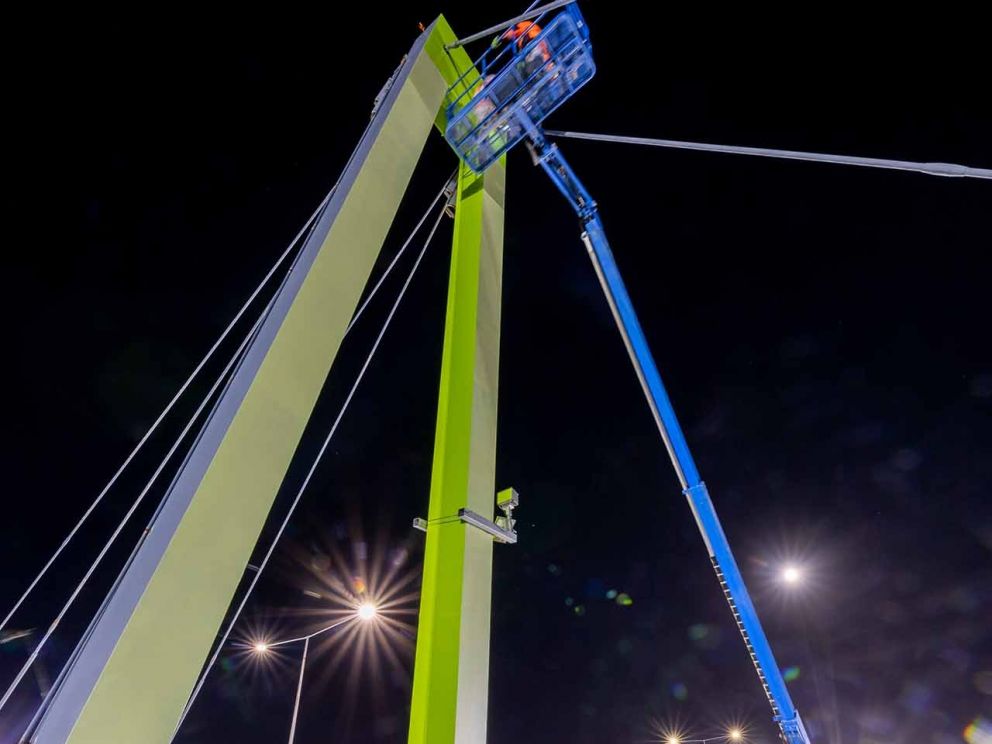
(451,674)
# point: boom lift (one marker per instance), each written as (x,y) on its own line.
(520,82)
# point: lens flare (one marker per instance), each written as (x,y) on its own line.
(979,731)
(792,574)
(735,729)
(357,607)
(669,730)
(366,611)
(372,583)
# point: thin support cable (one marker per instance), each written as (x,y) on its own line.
(134,507)
(40,712)
(951,170)
(531,13)
(306,481)
(175,398)
(526,16)
(309,224)
(35,719)
(449,188)
(67,666)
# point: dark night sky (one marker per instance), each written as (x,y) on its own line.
(823,332)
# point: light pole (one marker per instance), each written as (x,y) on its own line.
(365,613)
(299,690)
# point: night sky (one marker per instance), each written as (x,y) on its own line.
(823,332)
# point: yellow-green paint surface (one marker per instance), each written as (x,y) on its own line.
(451,63)
(451,671)
(142,690)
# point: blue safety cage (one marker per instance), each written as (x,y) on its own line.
(515,85)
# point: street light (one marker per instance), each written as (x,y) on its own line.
(734,734)
(792,574)
(364,612)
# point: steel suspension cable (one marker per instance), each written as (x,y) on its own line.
(308,225)
(951,170)
(313,468)
(169,406)
(134,507)
(396,258)
(525,16)
(372,293)
(67,666)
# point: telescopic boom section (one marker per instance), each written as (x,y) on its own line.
(722,558)
(504,105)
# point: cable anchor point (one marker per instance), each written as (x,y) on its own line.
(451,192)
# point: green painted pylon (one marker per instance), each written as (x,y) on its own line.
(451,673)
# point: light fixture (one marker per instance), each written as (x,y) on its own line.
(792,574)
(366,611)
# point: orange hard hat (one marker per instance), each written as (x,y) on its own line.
(522,32)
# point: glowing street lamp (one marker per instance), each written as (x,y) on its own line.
(366,611)
(792,574)
(734,734)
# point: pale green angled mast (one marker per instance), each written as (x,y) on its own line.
(135,671)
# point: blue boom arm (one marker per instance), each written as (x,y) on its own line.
(491,111)
(550,158)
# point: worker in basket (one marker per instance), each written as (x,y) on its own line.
(520,35)
(523,33)
(528,63)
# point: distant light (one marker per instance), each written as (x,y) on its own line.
(261,647)
(367,611)
(673,740)
(735,734)
(792,575)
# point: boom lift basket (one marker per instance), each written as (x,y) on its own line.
(488,112)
